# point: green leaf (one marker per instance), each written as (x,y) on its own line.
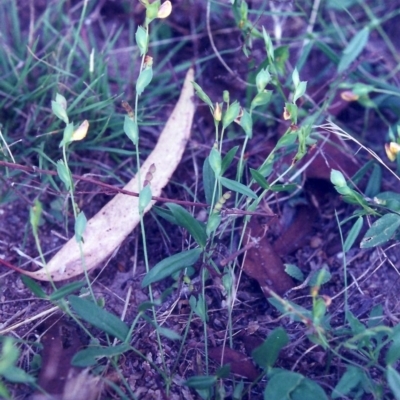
(80,226)
(393,353)
(215,161)
(144,198)
(237,187)
(319,277)
(353,49)
(99,317)
(374,182)
(88,357)
(262,79)
(59,108)
(259,178)
(261,99)
(299,91)
(145,77)
(230,114)
(350,380)
(294,271)
(381,231)
(67,135)
(66,290)
(268,44)
(141,39)
(187,221)
(17,375)
(201,382)
(287,385)
(199,307)
(208,180)
(227,160)
(34,287)
(353,234)
(393,378)
(246,123)
(286,140)
(170,265)
(63,174)
(202,95)
(267,354)
(213,222)
(338,179)
(168,333)
(131,130)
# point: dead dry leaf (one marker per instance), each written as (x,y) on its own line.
(113,223)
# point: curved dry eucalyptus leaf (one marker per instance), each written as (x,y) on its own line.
(113,223)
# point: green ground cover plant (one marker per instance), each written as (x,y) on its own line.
(289,95)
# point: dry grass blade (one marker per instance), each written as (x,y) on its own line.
(111,225)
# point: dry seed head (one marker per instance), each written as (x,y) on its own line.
(128,109)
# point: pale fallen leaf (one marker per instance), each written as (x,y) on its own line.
(113,223)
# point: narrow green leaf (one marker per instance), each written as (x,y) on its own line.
(34,287)
(227,160)
(88,357)
(170,265)
(201,382)
(99,317)
(353,234)
(66,290)
(187,221)
(381,231)
(259,178)
(202,95)
(267,354)
(208,180)
(374,182)
(168,333)
(353,49)
(237,187)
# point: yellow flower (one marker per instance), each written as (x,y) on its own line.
(391,150)
(81,132)
(348,95)
(164,10)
